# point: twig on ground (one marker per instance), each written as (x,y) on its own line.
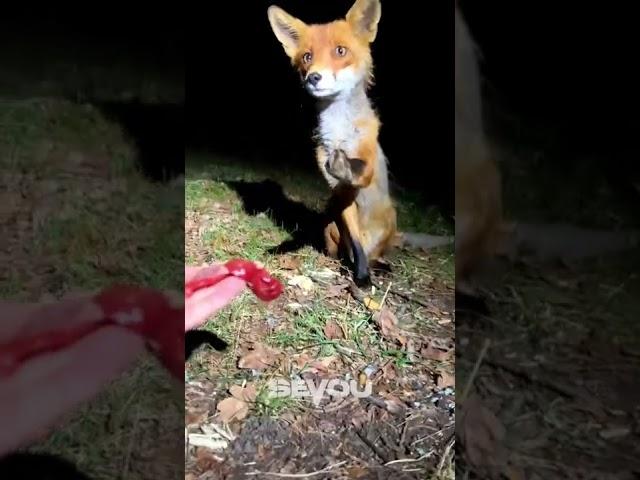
(381,403)
(445,455)
(297,475)
(431,435)
(532,378)
(379,453)
(410,298)
(474,372)
(384,297)
(407,460)
(239,330)
(406,296)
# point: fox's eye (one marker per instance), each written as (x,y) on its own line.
(341,51)
(306,58)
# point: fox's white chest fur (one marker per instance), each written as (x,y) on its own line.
(337,128)
(338,120)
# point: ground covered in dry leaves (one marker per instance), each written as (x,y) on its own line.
(548,374)
(398,337)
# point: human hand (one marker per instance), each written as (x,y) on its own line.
(43,390)
(207,301)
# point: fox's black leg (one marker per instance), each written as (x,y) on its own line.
(361,265)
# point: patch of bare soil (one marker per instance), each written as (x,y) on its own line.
(552,377)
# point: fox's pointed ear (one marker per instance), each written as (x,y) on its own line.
(287,29)
(364,16)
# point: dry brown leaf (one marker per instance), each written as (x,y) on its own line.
(434,351)
(232,409)
(205,460)
(482,436)
(288,262)
(335,290)
(323,364)
(389,371)
(394,404)
(444,379)
(359,419)
(301,361)
(358,472)
(332,330)
(259,358)
(248,393)
(388,323)
(195,418)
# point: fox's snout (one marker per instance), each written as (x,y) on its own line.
(324,82)
(313,78)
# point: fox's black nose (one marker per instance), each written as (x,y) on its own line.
(314,78)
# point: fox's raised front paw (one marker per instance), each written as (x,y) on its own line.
(343,168)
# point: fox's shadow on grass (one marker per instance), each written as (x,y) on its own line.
(195,339)
(157,132)
(305,226)
(39,466)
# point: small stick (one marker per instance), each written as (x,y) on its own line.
(445,455)
(407,297)
(474,372)
(519,372)
(297,475)
(409,460)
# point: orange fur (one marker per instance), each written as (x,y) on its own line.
(367,149)
(480,228)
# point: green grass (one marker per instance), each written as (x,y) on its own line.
(92,220)
(272,405)
(222,229)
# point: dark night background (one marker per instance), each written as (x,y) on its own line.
(85,91)
(565,68)
(568,72)
(106,57)
(244,98)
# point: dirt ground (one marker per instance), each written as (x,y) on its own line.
(548,370)
(320,328)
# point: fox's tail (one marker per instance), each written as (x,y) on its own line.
(542,241)
(568,242)
(422,241)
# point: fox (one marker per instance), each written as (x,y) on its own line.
(335,65)
(482,231)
